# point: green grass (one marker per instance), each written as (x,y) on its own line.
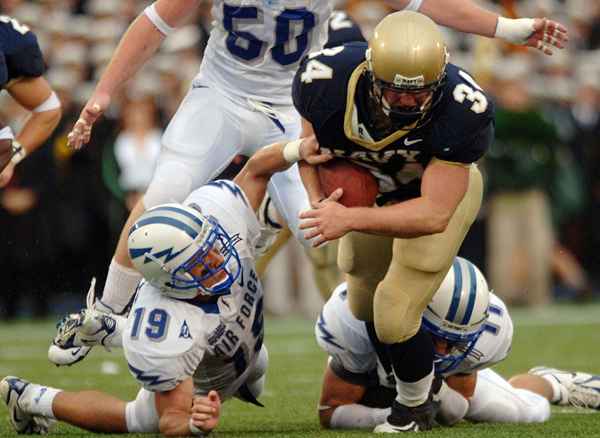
(294,376)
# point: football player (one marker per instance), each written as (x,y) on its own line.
(241,97)
(21,75)
(418,123)
(194,335)
(472,331)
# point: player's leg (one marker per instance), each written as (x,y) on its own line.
(561,387)
(417,269)
(365,259)
(254,385)
(32,405)
(495,400)
(199,142)
(326,272)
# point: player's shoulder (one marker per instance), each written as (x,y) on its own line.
(342,29)
(321,83)
(464,101)
(21,49)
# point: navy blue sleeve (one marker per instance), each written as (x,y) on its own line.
(343,29)
(3,70)
(471,148)
(22,53)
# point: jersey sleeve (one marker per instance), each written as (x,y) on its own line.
(3,70)
(463,125)
(26,60)
(344,337)
(342,29)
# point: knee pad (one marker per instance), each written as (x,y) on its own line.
(141,415)
(172,182)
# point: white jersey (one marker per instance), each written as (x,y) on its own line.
(347,341)
(217,343)
(255,46)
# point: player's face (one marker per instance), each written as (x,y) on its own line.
(441,346)
(212,260)
(400,100)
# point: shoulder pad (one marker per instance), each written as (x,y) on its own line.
(320,84)
(343,29)
(462,124)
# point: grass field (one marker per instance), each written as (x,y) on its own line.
(562,336)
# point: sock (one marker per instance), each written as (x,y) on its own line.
(357,416)
(557,395)
(120,286)
(412,362)
(38,400)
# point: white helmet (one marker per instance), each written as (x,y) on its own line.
(457,312)
(170,240)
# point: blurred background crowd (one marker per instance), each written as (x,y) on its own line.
(537,237)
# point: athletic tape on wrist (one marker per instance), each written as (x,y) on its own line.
(18,153)
(6,133)
(515,31)
(291,151)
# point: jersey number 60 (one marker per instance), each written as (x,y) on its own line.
(246,46)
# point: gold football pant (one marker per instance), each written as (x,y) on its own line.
(391,281)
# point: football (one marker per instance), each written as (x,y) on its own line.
(360,187)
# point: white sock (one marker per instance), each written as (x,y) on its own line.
(120,286)
(356,416)
(414,393)
(557,393)
(38,400)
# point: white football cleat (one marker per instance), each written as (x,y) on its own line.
(581,390)
(12,390)
(79,332)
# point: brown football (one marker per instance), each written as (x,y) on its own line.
(360,187)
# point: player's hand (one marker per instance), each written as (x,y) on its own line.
(82,131)
(6,174)
(310,151)
(547,34)
(206,411)
(326,223)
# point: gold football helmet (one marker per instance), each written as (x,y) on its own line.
(406,62)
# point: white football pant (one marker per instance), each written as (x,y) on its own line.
(496,401)
(208,130)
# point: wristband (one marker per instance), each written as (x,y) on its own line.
(291,151)
(18,153)
(49,104)
(515,31)
(157,20)
(196,431)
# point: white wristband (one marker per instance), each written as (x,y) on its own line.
(18,153)
(49,104)
(196,431)
(515,31)
(157,20)
(6,133)
(291,151)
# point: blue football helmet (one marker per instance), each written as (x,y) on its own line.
(457,313)
(170,241)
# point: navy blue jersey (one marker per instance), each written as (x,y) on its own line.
(21,52)
(342,29)
(331,91)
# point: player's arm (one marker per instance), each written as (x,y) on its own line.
(257,171)
(341,404)
(36,95)
(466,16)
(182,414)
(308,173)
(138,44)
(464,384)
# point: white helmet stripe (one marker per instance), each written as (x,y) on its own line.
(464,294)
